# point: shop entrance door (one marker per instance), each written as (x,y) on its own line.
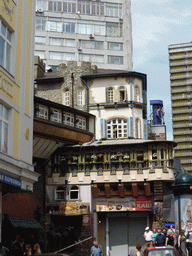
(118,236)
(136,229)
(125,233)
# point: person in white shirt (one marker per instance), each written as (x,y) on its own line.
(148,236)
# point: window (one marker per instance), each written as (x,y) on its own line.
(81,122)
(69,26)
(61,42)
(42,4)
(115,59)
(88,27)
(91,44)
(55,6)
(4,114)
(122,94)
(117,128)
(66,98)
(55,115)
(115,46)
(111,10)
(40,40)
(43,112)
(137,128)
(55,25)
(112,29)
(74,193)
(61,56)
(41,54)
(5,46)
(80,97)
(68,119)
(40,23)
(137,93)
(91,58)
(60,193)
(110,94)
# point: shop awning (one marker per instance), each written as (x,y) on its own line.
(25,223)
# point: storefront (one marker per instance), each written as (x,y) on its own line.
(121,223)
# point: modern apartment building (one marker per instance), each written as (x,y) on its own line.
(16,96)
(180,63)
(91,30)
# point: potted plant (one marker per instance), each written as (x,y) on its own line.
(94,157)
(100,155)
(87,158)
(126,157)
(154,155)
(119,154)
(75,158)
(113,157)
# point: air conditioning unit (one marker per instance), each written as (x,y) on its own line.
(78,12)
(121,18)
(40,10)
(79,49)
(91,36)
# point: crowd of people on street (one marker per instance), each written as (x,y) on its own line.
(166,238)
(20,248)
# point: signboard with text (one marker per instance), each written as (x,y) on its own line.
(10,180)
(126,204)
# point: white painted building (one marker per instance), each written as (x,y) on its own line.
(73,30)
(118,100)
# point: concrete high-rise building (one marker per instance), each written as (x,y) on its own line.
(73,30)
(180,63)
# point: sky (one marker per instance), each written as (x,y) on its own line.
(155,25)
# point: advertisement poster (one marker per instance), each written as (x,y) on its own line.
(185,212)
(128,204)
(72,208)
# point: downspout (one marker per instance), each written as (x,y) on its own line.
(72,83)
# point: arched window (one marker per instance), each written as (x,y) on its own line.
(66,98)
(117,128)
(80,97)
(74,193)
(137,128)
(109,94)
(60,193)
(122,94)
(137,93)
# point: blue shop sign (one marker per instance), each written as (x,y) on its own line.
(10,180)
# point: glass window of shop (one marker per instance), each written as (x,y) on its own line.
(4,115)
(5,46)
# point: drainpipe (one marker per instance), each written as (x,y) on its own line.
(72,83)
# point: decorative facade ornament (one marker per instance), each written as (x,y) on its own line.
(8,10)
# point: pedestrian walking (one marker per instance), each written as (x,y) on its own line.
(160,238)
(37,249)
(96,249)
(138,247)
(182,243)
(28,250)
(3,250)
(169,241)
(148,236)
(154,236)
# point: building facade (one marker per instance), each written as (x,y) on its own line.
(16,96)
(96,31)
(115,184)
(180,63)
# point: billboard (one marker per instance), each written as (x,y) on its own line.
(185,212)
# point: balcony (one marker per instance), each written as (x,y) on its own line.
(180,56)
(181,76)
(183,124)
(181,83)
(181,118)
(56,125)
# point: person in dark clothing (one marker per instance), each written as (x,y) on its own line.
(160,238)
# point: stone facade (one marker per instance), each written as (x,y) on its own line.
(51,89)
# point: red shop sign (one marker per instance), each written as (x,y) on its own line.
(143,204)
